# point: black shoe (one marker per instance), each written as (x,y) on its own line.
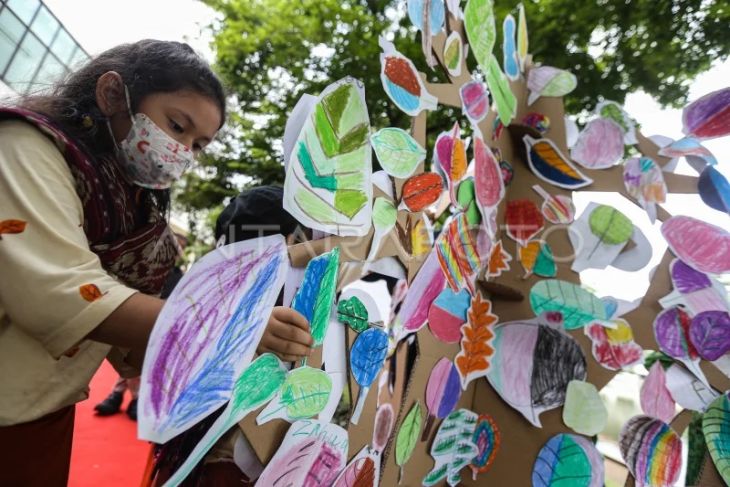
(110,405)
(132,410)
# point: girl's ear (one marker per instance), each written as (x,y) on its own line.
(110,96)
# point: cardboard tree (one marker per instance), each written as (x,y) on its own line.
(428,403)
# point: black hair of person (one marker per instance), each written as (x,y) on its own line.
(146,67)
(255,212)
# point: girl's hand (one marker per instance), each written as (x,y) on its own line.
(286,335)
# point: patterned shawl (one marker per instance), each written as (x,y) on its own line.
(127,233)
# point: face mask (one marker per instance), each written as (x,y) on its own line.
(151,158)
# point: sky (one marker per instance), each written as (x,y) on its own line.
(115,22)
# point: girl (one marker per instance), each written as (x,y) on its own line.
(84,244)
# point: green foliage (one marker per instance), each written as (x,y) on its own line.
(270,52)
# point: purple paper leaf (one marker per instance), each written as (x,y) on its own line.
(710,334)
(687,279)
(671,330)
(443,389)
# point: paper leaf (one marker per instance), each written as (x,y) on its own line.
(257,385)
(557,209)
(398,153)
(610,225)
(473,360)
(408,434)
(697,155)
(568,460)
(671,331)
(709,332)
(466,202)
(644,181)
(655,398)
(312,453)
(703,246)
(549,164)
(481,30)
(615,348)
(474,100)
(687,390)
(716,428)
(501,92)
(523,42)
(499,260)
(651,450)
(537,258)
(457,253)
(523,220)
(216,314)
(424,288)
(453,448)
(549,81)
(402,83)
(584,411)
(714,189)
(449,156)
(367,355)
(487,439)
(447,314)
(422,190)
(353,313)
(9,227)
(488,181)
(453,53)
(600,145)
(384,419)
(317,292)
(510,59)
(436,11)
(304,395)
(709,116)
(366,359)
(694,289)
(578,306)
(443,389)
(614,111)
(362,471)
(328,177)
(533,364)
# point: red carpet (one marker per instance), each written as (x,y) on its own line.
(105,449)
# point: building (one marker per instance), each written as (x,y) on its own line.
(35,48)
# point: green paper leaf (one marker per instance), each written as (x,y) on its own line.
(481,30)
(325,298)
(453,447)
(408,434)
(578,306)
(398,153)
(501,92)
(305,392)
(610,225)
(353,313)
(716,427)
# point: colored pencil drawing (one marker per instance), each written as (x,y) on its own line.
(313,453)
(557,209)
(715,426)
(473,360)
(366,359)
(304,394)
(407,438)
(454,53)
(402,83)
(600,144)
(652,451)
(584,411)
(700,245)
(549,164)
(453,448)
(258,383)
(644,181)
(549,81)
(655,399)
(443,391)
(694,290)
(533,363)
(510,58)
(447,314)
(568,460)
(457,254)
(614,348)
(207,333)
(487,439)
(578,306)
(398,153)
(709,116)
(328,177)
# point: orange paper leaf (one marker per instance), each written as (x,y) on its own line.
(11,226)
(473,359)
(498,260)
(90,292)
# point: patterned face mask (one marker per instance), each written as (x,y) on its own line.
(151,158)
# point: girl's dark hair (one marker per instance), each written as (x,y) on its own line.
(146,67)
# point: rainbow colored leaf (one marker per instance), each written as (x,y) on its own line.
(549,164)
(651,450)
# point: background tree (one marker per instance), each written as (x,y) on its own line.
(270,52)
